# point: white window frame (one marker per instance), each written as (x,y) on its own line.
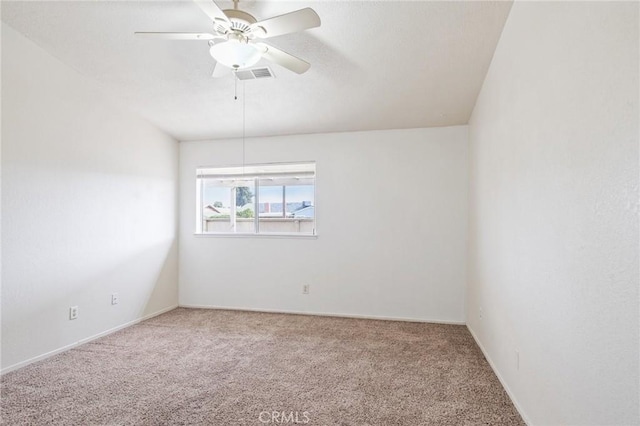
(253,173)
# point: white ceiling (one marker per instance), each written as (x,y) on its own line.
(375,64)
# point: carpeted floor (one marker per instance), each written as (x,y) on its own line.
(210,367)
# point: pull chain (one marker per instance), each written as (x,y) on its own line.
(235,87)
(244,98)
(235,97)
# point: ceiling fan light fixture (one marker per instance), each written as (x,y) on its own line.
(235,54)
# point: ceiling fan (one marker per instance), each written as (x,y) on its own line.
(236,39)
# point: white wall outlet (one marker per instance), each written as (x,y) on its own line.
(305,288)
(73,312)
(517,359)
(115,299)
(481,313)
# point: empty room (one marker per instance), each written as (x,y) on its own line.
(328,212)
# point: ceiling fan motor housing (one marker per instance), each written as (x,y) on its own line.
(240,21)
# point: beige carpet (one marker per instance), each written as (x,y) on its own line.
(208,367)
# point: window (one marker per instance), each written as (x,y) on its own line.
(271,199)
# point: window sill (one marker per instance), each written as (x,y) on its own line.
(247,235)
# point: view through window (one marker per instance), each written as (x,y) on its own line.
(257,199)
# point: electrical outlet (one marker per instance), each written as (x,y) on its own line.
(517,359)
(305,288)
(73,312)
(480,313)
(115,299)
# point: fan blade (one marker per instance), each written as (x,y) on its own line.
(178,36)
(220,70)
(292,22)
(212,10)
(283,58)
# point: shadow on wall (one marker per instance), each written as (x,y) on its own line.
(164,292)
(145,280)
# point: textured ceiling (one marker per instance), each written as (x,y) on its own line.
(374,65)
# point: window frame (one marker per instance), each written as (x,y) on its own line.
(255,178)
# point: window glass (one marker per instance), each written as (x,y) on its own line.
(227,206)
(283,195)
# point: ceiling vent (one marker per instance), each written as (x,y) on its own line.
(254,74)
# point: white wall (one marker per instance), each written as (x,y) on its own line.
(554,212)
(1,25)
(414,269)
(89,207)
